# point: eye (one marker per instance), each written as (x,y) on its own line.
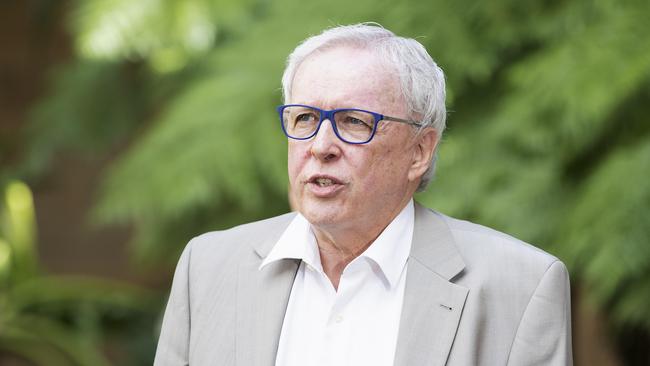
(356,121)
(305,117)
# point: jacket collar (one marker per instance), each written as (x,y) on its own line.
(433,244)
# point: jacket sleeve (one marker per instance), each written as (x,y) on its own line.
(544,333)
(173,344)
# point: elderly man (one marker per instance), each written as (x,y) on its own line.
(362,275)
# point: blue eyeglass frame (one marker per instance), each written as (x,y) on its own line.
(329,115)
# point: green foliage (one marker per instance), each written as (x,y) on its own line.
(50,320)
(548,135)
(168,34)
(92,105)
(17,234)
(609,232)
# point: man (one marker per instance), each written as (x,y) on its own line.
(361,275)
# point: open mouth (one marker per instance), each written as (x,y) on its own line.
(324,181)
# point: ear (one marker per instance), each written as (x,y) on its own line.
(425,145)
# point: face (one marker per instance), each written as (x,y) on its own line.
(341,186)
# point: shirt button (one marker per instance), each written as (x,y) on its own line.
(338,319)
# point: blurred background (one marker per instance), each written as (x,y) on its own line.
(128,127)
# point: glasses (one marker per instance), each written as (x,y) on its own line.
(351,125)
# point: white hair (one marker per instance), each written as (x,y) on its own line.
(422,82)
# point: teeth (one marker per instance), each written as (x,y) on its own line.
(324,182)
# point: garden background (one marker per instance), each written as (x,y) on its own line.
(127,127)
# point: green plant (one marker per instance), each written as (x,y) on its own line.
(53,320)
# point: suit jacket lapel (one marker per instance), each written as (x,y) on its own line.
(432,305)
(262,298)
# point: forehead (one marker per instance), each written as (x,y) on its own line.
(347,77)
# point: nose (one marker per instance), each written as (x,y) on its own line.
(326,146)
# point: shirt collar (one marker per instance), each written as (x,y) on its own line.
(389,251)
(297,242)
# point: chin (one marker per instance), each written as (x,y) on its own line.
(322,213)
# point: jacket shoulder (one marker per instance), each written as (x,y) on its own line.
(499,266)
(230,244)
(480,243)
(518,299)
(244,232)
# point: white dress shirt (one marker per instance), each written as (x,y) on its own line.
(359,323)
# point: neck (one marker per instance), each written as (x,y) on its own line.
(340,247)
(336,252)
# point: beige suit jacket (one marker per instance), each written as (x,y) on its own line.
(473,296)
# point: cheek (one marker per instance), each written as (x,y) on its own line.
(388,171)
(368,170)
(295,160)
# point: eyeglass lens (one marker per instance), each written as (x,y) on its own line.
(352,125)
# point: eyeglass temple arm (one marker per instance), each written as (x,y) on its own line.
(409,122)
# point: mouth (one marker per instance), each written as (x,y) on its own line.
(324,185)
(323,181)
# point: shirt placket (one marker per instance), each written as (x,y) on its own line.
(339,322)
